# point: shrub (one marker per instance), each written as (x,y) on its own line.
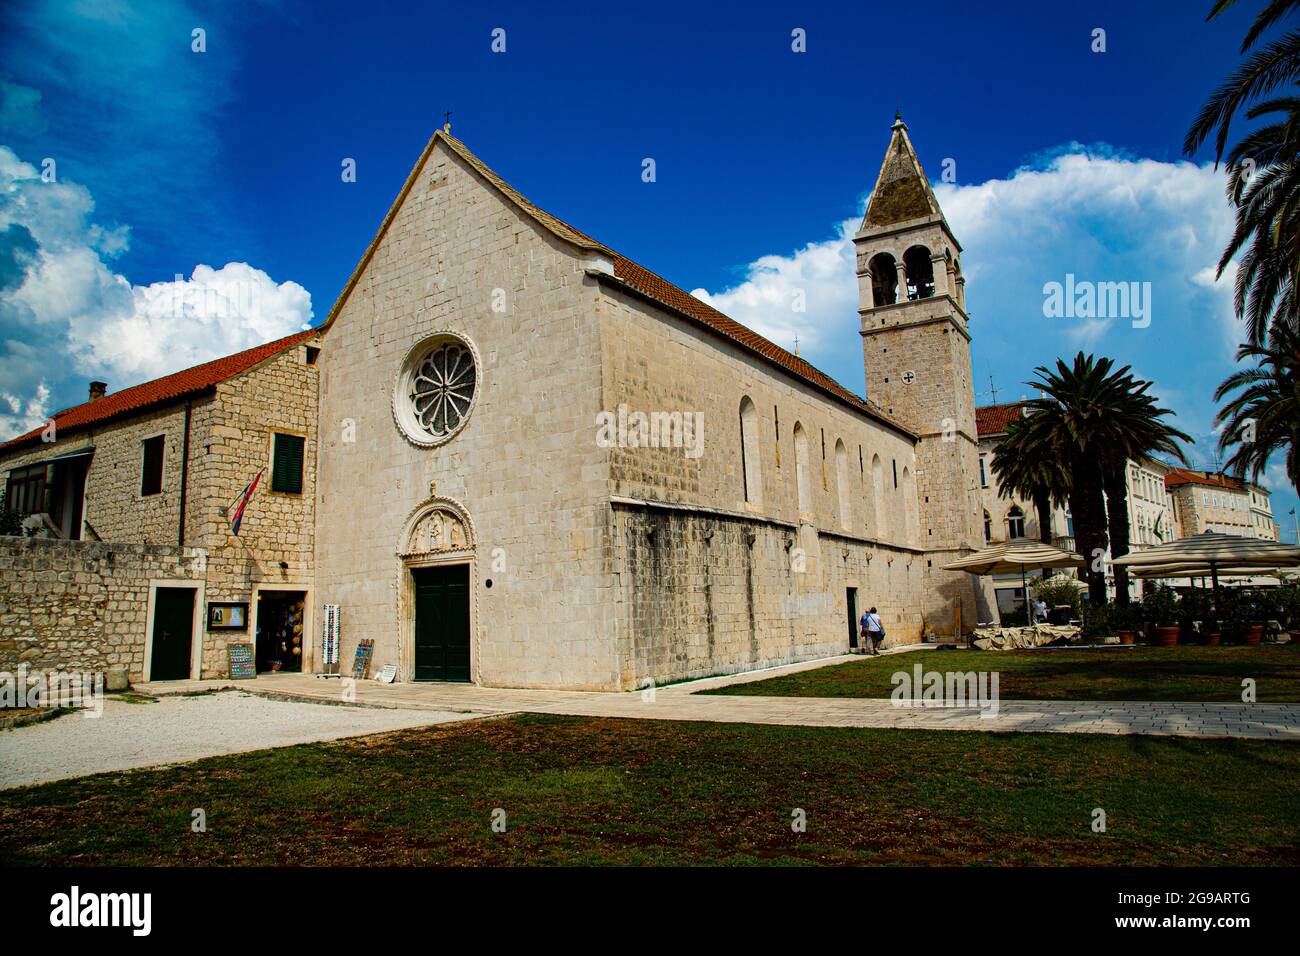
(1059,589)
(11,522)
(1288,602)
(1160,607)
(1097,620)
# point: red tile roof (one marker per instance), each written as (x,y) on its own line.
(161,391)
(634,276)
(1189,476)
(648,283)
(995,419)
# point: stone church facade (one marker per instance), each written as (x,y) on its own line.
(538,464)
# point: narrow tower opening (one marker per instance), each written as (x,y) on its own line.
(920,273)
(884,279)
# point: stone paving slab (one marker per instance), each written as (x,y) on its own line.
(682,702)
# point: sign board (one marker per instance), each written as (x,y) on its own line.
(242,665)
(388,674)
(361,663)
(227,615)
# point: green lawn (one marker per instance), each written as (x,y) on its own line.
(602,791)
(1143,673)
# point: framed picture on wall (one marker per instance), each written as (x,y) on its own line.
(227,615)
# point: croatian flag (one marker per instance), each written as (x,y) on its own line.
(238,516)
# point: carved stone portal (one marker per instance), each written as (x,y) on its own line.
(439,530)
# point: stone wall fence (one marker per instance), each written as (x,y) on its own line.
(83,605)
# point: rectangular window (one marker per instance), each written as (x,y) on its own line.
(25,494)
(286,468)
(151,466)
(984,481)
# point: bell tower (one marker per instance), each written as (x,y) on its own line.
(916,344)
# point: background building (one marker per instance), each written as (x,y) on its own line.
(1164,503)
(1212,501)
(133,564)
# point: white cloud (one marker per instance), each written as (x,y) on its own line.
(819,279)
(18,415)
(1101,216)
(183,322)
(66,316)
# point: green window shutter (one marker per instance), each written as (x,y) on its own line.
(286,472)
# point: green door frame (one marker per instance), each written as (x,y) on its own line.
(442,622)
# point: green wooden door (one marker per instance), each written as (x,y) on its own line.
(173,627)
(442,623)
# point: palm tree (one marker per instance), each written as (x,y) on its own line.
(1265,176)
(1022,475)
(1274,66)
(1263,418)
(1092,418)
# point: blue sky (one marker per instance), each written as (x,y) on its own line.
(224,167)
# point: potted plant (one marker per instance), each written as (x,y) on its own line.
(1126,621)
(1096,622)
(1197,608)
(1243,611)
(1160,608)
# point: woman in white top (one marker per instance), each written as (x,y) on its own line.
(873,632)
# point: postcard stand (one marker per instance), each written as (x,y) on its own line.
(330,642)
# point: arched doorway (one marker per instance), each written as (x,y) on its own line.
(437,590)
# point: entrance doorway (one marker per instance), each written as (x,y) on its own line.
(280,630)
(173,634)
(852,601)
(442,622)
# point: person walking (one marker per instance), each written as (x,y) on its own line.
(873,632)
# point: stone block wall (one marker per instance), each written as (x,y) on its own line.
(83,604)
(703,593)
(655,362)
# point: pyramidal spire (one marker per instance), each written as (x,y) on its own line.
(902,192)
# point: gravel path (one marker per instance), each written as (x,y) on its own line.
(179,729)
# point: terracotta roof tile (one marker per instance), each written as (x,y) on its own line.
(1189,476)
(161,391)
(995,419)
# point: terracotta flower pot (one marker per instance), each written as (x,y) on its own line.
(1254,633)
(1165,636)
(1212,638)
(1126,637)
